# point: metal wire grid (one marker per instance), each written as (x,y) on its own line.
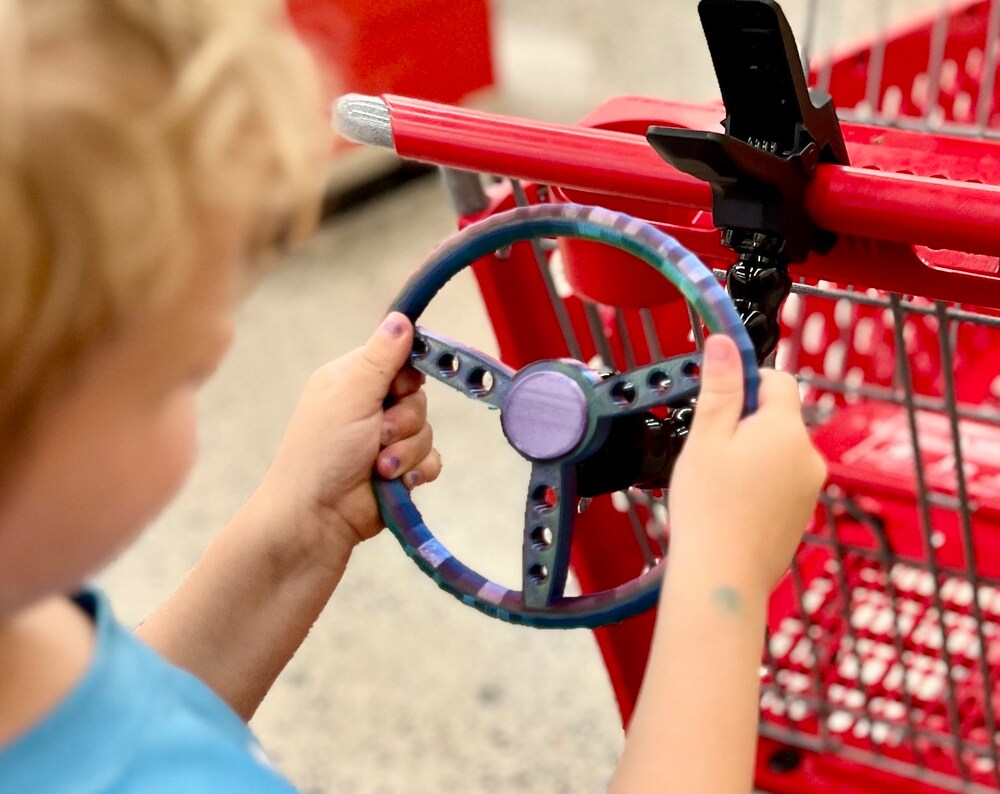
(885,659)
(908,640)
(884,698)
(906,681)
(954,95)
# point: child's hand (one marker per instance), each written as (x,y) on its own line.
(321,477)
(252,599)
(743,491)
(740,499)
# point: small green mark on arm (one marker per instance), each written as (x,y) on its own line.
(727,599)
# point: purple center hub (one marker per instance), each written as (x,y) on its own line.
(545,415)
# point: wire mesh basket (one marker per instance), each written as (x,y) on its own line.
(882,662)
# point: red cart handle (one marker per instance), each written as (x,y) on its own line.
(903,208)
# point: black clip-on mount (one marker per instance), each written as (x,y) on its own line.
(776,132)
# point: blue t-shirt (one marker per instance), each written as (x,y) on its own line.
(136,724)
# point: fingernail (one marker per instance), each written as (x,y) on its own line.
(412,479)
(390,465)
(393,325)
(717,350)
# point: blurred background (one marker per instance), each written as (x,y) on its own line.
(400,688)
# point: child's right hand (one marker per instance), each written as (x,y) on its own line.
(743,490)
(740,499)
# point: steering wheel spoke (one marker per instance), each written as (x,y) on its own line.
(669,381)
(476,375)
(548,528)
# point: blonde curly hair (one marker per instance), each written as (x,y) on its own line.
(126,128)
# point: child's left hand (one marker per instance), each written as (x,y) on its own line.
(252,599)
(320,480)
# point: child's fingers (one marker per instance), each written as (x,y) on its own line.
(404,419)
(381,358)
(779,392)
(406,382)
(402,456)
(426,471)
(720,399)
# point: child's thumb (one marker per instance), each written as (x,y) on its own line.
(720,401)
(384,355)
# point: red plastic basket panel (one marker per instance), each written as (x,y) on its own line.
(906,89)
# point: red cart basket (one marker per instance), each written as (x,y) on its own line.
(882,663)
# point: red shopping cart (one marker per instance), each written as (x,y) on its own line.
(882,662)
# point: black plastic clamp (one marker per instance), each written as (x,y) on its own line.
(777,130)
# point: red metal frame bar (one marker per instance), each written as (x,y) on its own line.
(937,213)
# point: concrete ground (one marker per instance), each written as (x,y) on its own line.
(400,688)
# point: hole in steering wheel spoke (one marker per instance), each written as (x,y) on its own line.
(448,365)
(545,498)
(421,348)
(623,393)
(480,382)
(538,573)
(691,369)
(541,538)
(659,380)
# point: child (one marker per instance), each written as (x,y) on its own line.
(149,152)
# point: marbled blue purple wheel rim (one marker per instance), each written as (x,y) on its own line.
(692,279)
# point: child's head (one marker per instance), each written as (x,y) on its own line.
(149,149)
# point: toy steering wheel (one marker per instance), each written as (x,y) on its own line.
(555,413)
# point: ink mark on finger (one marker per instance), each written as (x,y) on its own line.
(727,599)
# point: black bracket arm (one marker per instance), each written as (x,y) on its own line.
(777,131)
